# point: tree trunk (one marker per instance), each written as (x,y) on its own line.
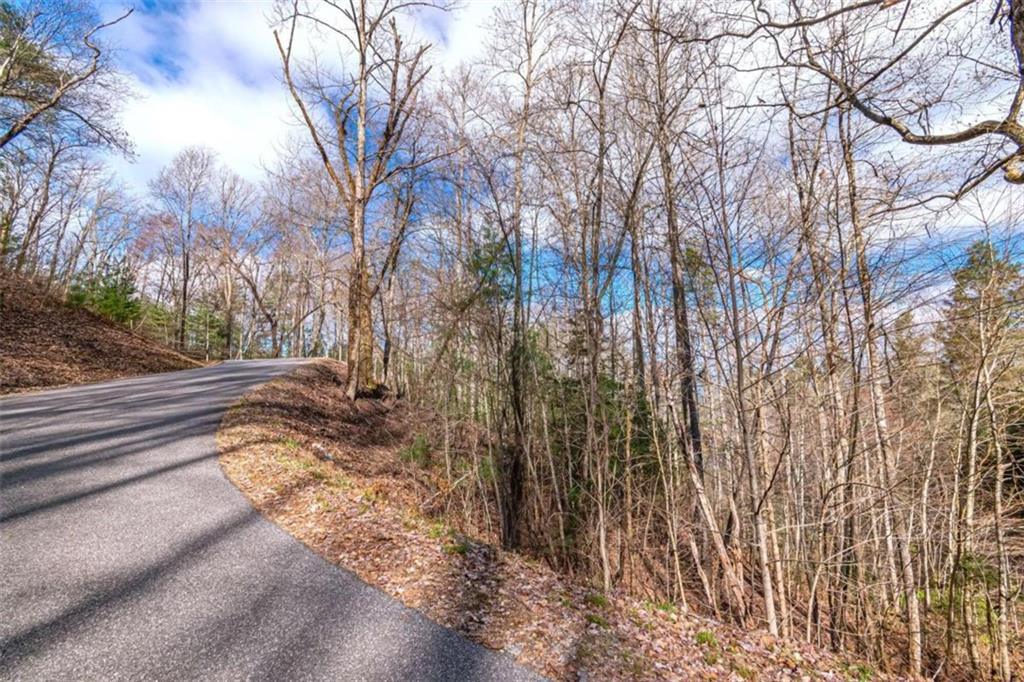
(896,521)
(183,313)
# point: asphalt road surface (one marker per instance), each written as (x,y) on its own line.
(126,554)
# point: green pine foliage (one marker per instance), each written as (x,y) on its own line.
(110,293)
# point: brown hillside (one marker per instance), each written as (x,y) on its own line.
(44,343)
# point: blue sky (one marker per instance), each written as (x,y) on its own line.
(208,73)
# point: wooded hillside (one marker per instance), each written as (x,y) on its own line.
(721,305)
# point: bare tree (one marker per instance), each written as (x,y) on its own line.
(51,66)
(182,190)
(361,145)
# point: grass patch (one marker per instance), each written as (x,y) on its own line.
(340,481)
(663,606)
(706,638)
(745,672)
(373,494)
(459,548)
(860,672)
(293,463)
(322,503)
(597,620)
(437,530)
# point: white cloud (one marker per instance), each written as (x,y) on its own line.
(240,122)
(208,73)
(458,36)
(204,74)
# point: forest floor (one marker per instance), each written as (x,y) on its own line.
(45,343)
(331,473)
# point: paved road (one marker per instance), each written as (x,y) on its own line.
(126,554)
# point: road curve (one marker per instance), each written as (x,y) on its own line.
(126,554)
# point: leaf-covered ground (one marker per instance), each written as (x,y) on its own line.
(44,343)
(329,472)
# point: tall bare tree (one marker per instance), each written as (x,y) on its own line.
(361,143)
(182,190)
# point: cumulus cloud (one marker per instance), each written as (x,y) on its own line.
(208,73)
(203,74)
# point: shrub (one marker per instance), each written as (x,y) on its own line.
(417,453)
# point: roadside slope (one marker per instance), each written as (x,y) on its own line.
(45,343)
(346,480)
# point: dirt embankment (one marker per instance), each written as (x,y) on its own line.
(45,343)
(339,477)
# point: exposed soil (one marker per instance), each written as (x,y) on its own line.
(44,343)
(329,471)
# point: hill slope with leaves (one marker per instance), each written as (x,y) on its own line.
(45,343)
